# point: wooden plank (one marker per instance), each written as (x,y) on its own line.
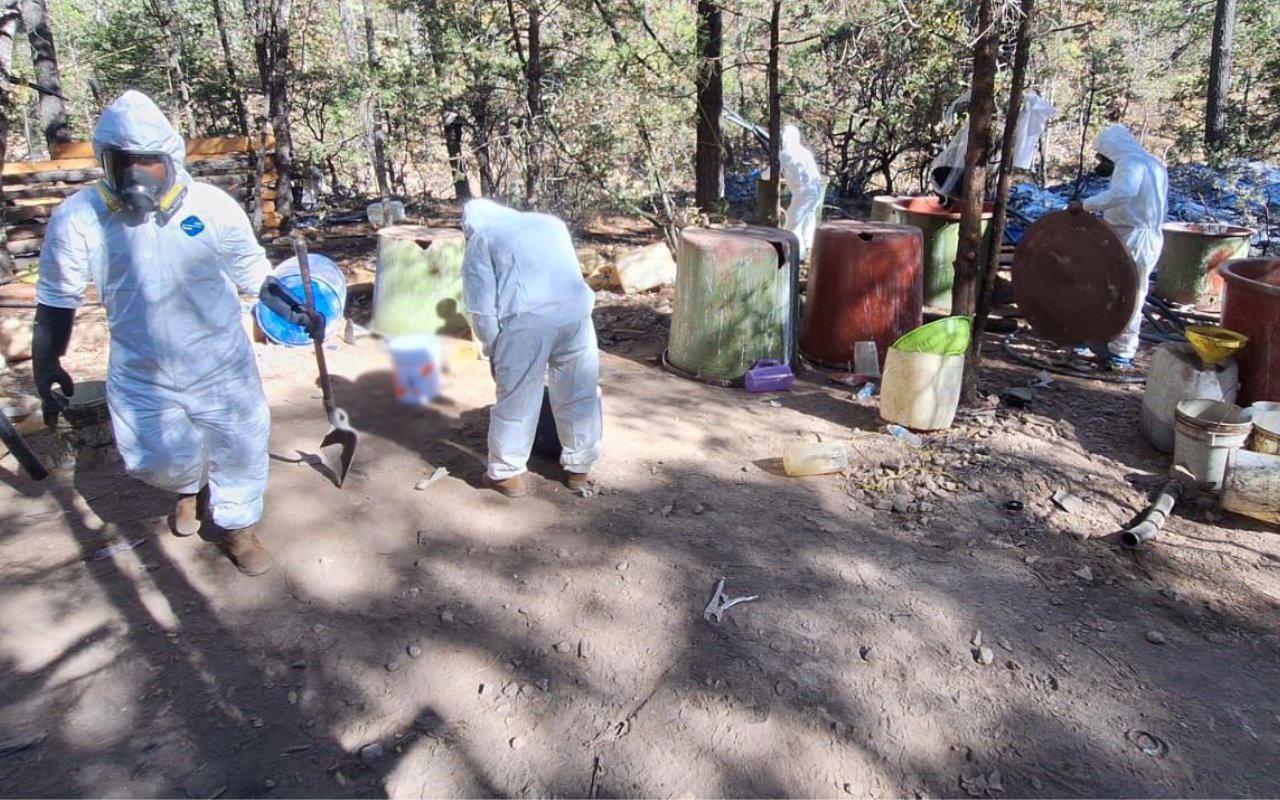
(24,247)
(37,172)
(19,168)
(213,146)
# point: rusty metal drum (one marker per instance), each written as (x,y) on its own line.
(866,283)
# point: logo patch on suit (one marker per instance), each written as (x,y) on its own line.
(192,226)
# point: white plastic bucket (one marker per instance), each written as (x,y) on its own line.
(1176,374)
(376,216)
(1205,434)
(1266,433)
(1252,486)
(417,361)
(920,391)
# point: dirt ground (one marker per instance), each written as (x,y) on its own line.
(447,641)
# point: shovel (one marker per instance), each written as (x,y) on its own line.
(339,444)
(28,460)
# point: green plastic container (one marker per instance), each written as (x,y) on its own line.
(735,302)
(418,289)
(1187,272)
(941,228)
(945,337)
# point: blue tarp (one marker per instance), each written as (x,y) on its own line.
(1245,193)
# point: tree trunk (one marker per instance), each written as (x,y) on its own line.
(1215,122)
(707,163)
(533,98)
(229,64)
(348,32)
(453,147)
(990,269)
(377,133)
(165,17)
(964,292)
(767,204)
(51,111)
(9,16)
(270,19)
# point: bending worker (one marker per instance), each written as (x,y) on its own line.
(800,171)
(531,313)
(167,255)
(1134,204)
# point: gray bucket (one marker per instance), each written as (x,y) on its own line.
(1205,434)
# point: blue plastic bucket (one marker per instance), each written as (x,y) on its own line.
(417,362)
(328,285)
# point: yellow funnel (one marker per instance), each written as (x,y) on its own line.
(1214,344)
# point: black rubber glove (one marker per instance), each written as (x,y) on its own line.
(48,345)
(282,302)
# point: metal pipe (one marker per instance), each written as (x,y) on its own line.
(1149,522)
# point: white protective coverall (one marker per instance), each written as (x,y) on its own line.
(800,171)
(1134,204)
(531,312)
(182,385)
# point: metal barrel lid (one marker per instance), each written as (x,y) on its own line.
(1073,279)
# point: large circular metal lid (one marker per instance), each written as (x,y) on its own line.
(1074,280)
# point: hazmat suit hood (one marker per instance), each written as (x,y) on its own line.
(133,123)
(482,214)
(1116,142)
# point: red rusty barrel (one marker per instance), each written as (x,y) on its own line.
(1251,305)
(866,283)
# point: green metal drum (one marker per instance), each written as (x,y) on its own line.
(1187,271)
(941,229)
(418,288)
(735,302)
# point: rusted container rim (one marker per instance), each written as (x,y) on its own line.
(932,207)
(1231,273)
(1208,230)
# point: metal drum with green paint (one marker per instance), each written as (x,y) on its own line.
(735,302)
(941,229)
(1187,272)
(418,288)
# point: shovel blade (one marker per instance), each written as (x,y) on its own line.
(339,448)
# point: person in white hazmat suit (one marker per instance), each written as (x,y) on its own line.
(800,171)
(167,255)
(531,313)
(1134,204)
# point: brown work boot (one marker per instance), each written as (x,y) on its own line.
(515,486)
(246,552)
(189,511)
(578,481)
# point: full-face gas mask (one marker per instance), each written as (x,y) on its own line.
(1104,167)
(141,182)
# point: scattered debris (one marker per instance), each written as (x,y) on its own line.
(1148,743)
(370,753)
(905,436)
(113,550)
(982,785)
(1018,396)
(721,602)
(1067,501)
(439,473)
